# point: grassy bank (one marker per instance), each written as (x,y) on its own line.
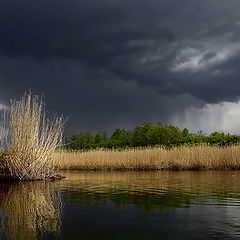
(179,158)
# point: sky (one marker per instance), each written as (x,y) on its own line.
(118,63)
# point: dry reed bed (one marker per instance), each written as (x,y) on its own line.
(180,158)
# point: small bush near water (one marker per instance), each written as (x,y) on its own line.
(28,140)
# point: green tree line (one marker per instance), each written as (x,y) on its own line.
(145,135)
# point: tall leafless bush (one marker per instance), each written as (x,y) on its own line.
(29,140)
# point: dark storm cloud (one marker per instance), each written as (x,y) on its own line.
(93,100)
(116,62)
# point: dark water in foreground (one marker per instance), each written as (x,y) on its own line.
(123,205)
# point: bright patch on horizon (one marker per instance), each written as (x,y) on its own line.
(223,116)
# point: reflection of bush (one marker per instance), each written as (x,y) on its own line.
(31,208)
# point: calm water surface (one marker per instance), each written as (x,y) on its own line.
(123,205)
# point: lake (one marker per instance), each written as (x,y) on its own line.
(123,205)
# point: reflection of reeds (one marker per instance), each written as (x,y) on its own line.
(32,140)
(180,158)
(147,181)
(152,190)
(31,208)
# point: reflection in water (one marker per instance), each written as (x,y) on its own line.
(30,209)
(152,205)
(123,205)
(154,190)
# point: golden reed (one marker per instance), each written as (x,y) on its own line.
(28,139)
(156,158)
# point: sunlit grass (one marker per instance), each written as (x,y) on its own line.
(158,158)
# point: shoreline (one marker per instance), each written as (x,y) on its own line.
(148,169)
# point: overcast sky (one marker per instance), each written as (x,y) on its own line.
(117,63)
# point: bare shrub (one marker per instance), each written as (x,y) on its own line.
(31,140)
